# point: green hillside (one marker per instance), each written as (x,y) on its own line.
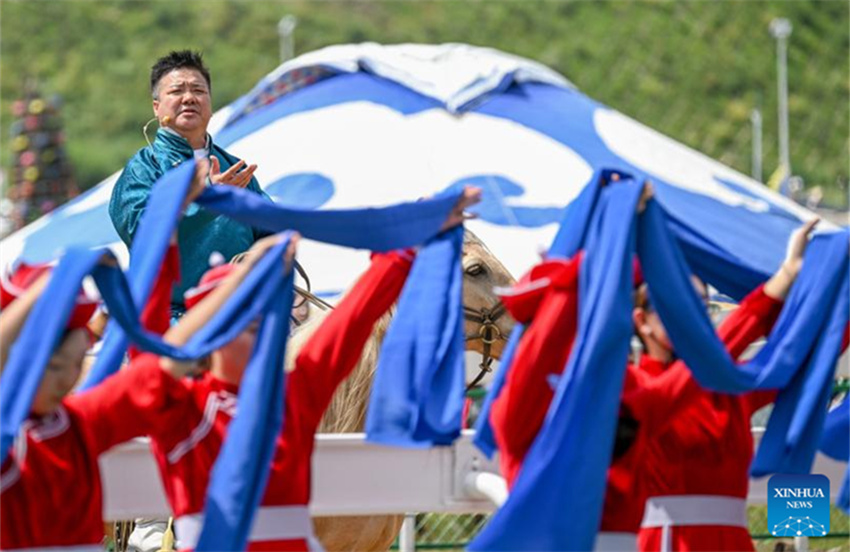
(693,70)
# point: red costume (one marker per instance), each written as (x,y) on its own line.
(50,490)
(699,467)
(187,446)
(548,299)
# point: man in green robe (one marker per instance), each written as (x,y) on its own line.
(180,85)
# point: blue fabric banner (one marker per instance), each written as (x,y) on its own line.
(239,476)
(378,229)
(418,389)
(393,227)
(146,255)
(835,443)
(569,239)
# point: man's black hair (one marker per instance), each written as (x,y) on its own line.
(178,60)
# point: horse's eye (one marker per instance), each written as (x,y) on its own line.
(475,270)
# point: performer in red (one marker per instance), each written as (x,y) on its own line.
(698,468)
(187,449)
(548,299)
(50,488)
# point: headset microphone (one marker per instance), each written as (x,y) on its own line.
(162,122)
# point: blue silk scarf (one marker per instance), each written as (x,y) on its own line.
(418,389)
(570,238)
(835,443)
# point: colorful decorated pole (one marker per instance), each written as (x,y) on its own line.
(42,177)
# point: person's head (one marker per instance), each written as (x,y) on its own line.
(228,363)
(181,90)
(648,326)
(65,365)
(62,371)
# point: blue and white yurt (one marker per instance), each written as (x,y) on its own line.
(366,124)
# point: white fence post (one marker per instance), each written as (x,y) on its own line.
(407,536)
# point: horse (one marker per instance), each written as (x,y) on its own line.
(486,327)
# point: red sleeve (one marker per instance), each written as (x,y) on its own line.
(754,318)
(140,399)
(541,356)
(156,315)
(332,352)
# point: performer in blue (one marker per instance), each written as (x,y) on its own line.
(182,105)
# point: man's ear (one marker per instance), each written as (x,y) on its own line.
(156,108)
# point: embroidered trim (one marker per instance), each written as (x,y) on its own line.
(19,448)
(52,425)
(221,401)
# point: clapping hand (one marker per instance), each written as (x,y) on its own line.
(234,176)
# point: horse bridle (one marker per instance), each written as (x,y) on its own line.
(488,332)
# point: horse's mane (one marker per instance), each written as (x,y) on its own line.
(347,411)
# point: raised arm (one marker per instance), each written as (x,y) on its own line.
(780,283)
(14,316)
(753,318)
(758,312)
(331,353)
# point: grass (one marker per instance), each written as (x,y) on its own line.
(693,70)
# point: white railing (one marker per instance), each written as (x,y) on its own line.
(352,477)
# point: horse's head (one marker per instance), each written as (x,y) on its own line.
(487,325)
